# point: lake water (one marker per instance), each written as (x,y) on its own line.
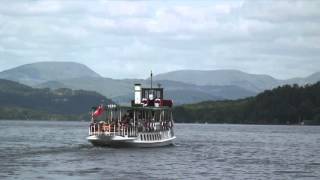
(59,150)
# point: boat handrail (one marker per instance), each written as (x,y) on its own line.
(124,130)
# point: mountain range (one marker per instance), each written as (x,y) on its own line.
(251,82)
(184,86)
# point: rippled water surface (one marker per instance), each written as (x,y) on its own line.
(59,150)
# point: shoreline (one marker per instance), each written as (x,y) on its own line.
(194,123)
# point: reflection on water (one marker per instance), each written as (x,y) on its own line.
(59,150)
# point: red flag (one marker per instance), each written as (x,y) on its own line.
(98,111)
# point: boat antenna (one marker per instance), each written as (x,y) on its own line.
(151,79)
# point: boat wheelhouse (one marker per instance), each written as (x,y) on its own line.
(148,122)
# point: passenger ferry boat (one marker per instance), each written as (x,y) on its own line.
(148,122)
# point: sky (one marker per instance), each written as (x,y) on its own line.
(127,39)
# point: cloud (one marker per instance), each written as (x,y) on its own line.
(128,38)
(282,11)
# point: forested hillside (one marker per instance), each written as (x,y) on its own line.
(289,104)
(18,101)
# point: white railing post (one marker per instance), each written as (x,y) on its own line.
(121,133)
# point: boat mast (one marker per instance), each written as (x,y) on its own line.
(151,79)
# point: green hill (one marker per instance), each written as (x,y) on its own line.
(18,101)
(289,104)
(40,72)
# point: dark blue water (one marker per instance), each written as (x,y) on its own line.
(59,150)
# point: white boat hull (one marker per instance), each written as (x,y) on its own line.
(119,141)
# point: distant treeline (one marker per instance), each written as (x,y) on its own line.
(289,104)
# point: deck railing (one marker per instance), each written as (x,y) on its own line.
(122,130)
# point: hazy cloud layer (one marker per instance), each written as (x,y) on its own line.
(129,38)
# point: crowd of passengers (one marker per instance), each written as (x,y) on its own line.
(127,122)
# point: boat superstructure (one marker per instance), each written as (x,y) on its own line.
(148,122)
